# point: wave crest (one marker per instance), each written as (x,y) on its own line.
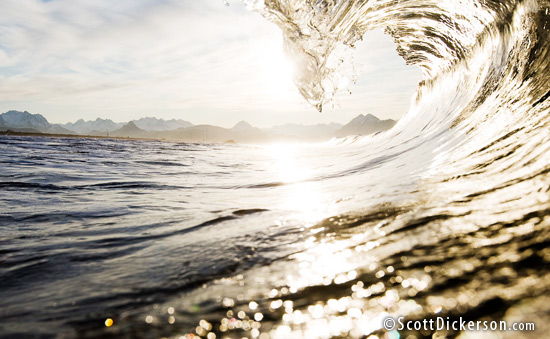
(432,34)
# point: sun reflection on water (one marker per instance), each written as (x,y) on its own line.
(301,194)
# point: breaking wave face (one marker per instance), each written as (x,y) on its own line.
(476,142)
(481,111)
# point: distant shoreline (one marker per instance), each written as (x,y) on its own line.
(75,136)
(35,125)
(26,124)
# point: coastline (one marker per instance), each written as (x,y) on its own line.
(76,136)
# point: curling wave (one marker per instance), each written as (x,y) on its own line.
(474,150)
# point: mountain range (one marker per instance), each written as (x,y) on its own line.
(107,125)
(364,125)
(27,122)
(177,129)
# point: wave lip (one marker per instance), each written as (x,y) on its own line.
(434,35)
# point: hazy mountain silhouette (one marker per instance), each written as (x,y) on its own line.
(156,124)
(96,126)
(365,125)
(242,132)
(26,122)
(130,130)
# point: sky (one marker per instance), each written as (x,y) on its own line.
(201,61)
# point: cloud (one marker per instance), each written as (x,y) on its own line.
(118,52)
(147,57)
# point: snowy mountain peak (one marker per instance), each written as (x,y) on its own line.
(97,125)
(364,119)
(156,124)
(18,119)
(26,121)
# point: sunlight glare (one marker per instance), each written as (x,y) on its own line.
(285,163)
(303,195)
(277,69)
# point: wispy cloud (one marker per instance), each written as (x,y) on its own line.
(72,59)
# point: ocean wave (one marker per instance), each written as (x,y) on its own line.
(447,214)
